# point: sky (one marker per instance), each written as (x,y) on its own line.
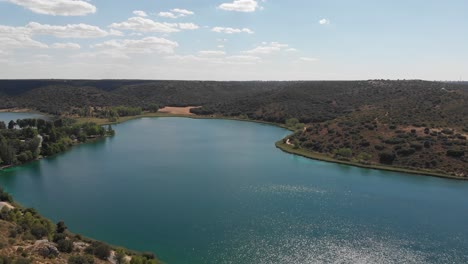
(234,39)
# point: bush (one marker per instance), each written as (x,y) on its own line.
(344,152)
(86,259)
(5,260)
(387,158)
(455,153)
(406,151)
(142,260)
(61,227)
(58,237)
(22,261)
(99,250)
(5,197)
(39,231)
(65,246)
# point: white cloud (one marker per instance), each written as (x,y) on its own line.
(66,46)
(307,59)
(324,21)
(145,25)
(220,46)
(211,53)
(144,45)
(188,26)
(267,48)
(182,12)
(241,6)
(57,7)
(70,31)
(18,37)
(167,15)
(229,30)
(176,13)
(140,13)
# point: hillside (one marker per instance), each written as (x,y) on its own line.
(410,124)
(27,237)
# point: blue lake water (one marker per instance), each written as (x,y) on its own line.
(7,116)
(218,191)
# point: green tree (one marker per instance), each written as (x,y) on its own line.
(11,124)
(61,227)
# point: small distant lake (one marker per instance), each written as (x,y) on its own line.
(218,191)
(8,116)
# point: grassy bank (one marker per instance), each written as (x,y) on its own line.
(318,156)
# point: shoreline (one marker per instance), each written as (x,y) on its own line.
(279,144)
(321,157)
(289,149)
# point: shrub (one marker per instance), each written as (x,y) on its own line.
(86,259)
(61,227)
(39,231)
(455,153)
(99,250)
(344,152)
(406,151)
(65,246)
(386,157)
(58,237)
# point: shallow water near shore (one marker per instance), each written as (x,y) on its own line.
(218,191)
(8,116)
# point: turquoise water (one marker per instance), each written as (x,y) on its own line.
(218,191)
(7,117)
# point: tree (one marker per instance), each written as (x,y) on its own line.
(153,108)
(7,152)
(4,196)
(61,227)
(110,131)
(11,124)
(2,125)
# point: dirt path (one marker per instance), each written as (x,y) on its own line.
(177,110)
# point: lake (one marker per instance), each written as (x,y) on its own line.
(218,191)
(8,116)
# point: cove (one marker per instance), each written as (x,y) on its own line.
(218,191)
(8,116)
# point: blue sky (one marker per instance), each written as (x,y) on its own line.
(234,39)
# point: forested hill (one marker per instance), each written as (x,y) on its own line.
(409,124)
(406,102)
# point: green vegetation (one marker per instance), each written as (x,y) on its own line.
(27,237)
(28,139)
(412,124)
